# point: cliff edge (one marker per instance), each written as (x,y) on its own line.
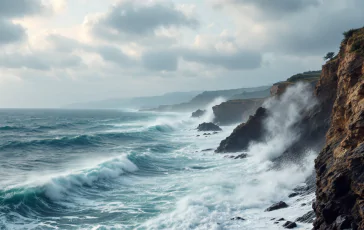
(339,166)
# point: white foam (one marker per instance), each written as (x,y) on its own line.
(284,112)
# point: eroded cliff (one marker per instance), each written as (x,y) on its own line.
(340,165)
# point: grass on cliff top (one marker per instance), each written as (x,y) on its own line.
(305,76)
(355,37)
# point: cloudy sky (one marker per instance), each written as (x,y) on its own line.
(55,52)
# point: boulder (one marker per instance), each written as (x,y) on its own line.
(198,113)
(277,206)
(208,127)
(307,218)
(290,225)
(237,218)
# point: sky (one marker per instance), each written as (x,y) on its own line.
(57,52)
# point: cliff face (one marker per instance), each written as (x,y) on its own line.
(235,111)
(340,165)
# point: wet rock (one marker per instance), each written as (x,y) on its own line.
(243,134)
(277,206)
(290,225)
(198,113)
(206,150)
(237,218)
(293,194)
(241,156)
(343,222)
(208,127)
(307,218)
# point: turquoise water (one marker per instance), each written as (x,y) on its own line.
(113,169)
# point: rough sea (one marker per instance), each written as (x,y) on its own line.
(124,169)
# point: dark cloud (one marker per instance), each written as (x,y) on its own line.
(10,32)
(317,31)
(39,61)
(9,9)
(271,8)
(129,19)
(20,8)
(281,6)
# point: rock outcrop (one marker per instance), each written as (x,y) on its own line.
(277,206)
(208,127)
(340,165)
(252,130)
(235,111)
(198,113)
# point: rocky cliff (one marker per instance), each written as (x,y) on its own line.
(340,165)
(243,134)
(235,111)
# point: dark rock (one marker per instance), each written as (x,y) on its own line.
(215,132)
(241,156)
(237,218)
(307,218)
(277,206)
(293,194)
(273,219)
(206,150)
(290,225)
(197,135)
(342,222)
(208,127)
(303,204)
(276,222)
(243,134)
(281,219)
(198,113)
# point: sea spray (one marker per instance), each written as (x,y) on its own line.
(209,114)
(284,113)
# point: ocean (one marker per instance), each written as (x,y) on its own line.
(124,169)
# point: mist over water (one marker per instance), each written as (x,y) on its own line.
(138,170)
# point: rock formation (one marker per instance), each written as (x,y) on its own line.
(208,127)
(242,135)
(235,111)
(339,167)
(198,113)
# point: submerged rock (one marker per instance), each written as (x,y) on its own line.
(198,113)
(290,225)
(277,206)
(206,150)
(307,218)
(237,218)
(293,194)
(208,127)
